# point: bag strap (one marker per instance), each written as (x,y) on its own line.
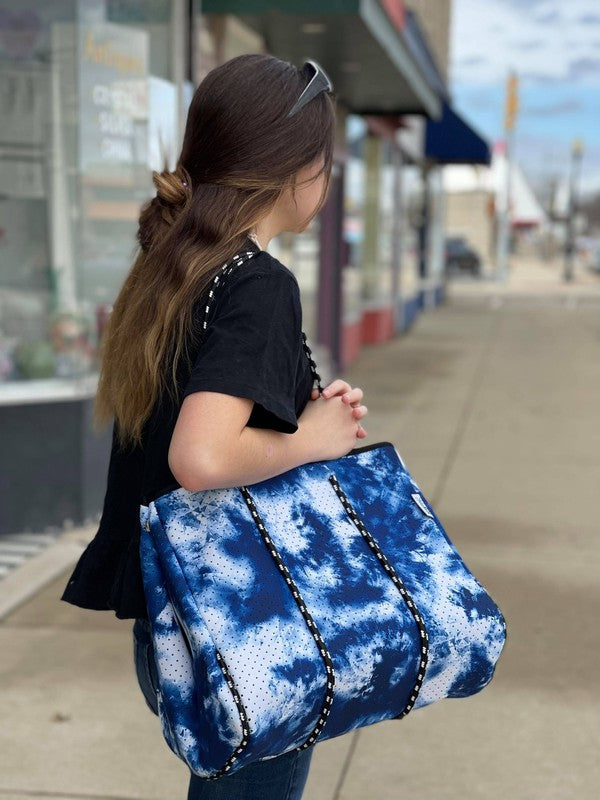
(313,367)
(238,259)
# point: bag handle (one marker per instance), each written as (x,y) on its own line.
(239,259)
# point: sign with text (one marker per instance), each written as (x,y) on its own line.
(113,97)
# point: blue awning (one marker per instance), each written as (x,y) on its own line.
(450,140)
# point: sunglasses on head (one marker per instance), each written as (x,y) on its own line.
(319,82)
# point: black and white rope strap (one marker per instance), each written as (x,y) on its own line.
(225,270)
(330,675)
(313,366)
(243,720)
(237,260)
(424,639)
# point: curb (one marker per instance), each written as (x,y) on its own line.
(34,574)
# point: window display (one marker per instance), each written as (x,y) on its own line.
(88,112)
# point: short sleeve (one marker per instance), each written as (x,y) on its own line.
(252,345)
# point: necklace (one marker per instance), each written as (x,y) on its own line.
(255,240)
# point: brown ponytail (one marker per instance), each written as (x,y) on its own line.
(173,193)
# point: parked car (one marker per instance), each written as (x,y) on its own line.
(460,257)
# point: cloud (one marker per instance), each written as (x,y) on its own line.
(472,61)
(531,76)
(582,67)
(543,40)
(589,19)
(521,5)
(548,18)
(551,109)
(554,47)
(529,44)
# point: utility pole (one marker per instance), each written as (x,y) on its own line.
(503,229)
(575,170)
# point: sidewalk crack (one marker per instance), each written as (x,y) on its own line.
(346,766)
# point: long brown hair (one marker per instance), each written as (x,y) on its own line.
(240,151)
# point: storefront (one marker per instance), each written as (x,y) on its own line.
(348,265)
(92,96)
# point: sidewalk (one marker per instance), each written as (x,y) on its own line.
(493,401)
(530,278)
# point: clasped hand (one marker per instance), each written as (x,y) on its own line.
(350,396)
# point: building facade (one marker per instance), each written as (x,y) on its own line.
(95,96)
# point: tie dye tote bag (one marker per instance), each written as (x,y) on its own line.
(307,605)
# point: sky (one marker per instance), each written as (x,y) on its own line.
(554,47)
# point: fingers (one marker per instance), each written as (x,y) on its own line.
(340,387)
(353,396)
(337,386)
(350,396)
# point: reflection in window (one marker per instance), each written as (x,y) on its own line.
(88,111)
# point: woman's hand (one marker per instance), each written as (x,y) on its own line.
(349,395)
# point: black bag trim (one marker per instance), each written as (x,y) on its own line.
(391,572)
(312,627)
(366,447)
(243,719)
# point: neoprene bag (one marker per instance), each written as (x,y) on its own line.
(302,607)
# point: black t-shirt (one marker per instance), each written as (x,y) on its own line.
(252,347)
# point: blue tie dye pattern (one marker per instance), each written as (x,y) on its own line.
(213,590)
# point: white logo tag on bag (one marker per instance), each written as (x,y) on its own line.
(421,503)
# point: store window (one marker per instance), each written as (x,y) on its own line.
(354,219)
(89,108)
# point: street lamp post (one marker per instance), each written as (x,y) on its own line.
(576,158)
(504,219)
(504,196)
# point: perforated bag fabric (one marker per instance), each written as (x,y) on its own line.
(299,608)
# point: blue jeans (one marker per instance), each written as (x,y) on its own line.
(280,778)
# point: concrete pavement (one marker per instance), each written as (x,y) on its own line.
(493,400)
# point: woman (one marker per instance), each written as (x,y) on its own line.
(231,409)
